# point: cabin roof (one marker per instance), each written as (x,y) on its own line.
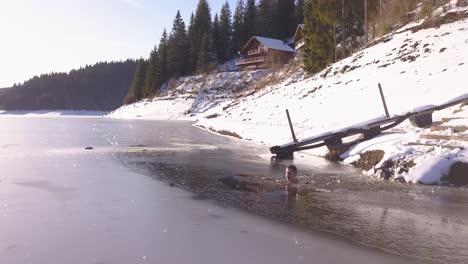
(299,27)
(275,44)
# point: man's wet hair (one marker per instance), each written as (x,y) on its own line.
(292,168)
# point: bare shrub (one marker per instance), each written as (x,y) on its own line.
(215,115)
(393,14)
(462,3)
(225,133)
(172,84)
(426,9)
(129,99)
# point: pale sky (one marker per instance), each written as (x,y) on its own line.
(42,36)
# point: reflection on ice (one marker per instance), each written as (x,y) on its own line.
(379,214)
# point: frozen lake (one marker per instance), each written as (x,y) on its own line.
(60,203)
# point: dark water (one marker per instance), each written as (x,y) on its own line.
(63,203)
(427,222)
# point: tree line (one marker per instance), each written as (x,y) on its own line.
(101,87)
(208,41)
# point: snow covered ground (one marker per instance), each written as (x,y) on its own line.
(416,69)
(53,113)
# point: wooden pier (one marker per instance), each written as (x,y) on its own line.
(363,131)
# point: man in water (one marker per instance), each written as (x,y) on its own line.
(291,175)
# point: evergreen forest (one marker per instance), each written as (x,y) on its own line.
(100,87)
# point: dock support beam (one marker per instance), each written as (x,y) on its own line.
(383,101)
(291,127)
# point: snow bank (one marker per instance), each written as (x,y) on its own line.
(159,109)
(191,95)
(430,170)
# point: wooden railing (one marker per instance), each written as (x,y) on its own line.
(253,52)
(299,44)
(251,60)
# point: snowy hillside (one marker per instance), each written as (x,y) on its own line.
(194,94)
(416,66)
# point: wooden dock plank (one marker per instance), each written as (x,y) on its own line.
(454,128)
(451,147)
(445,137)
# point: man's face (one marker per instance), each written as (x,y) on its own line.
(290,175)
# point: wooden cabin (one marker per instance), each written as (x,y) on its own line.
(261,53)
(299,44)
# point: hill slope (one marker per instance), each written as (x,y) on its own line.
(422,64)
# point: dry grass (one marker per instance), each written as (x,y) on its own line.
(394,14)
(369,159)
(397,13)
(225,133)
(438,21)
(334,154)
(278,75)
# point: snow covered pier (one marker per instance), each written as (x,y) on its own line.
(421,117)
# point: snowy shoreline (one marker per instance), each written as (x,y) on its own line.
(416,69)
(53,113)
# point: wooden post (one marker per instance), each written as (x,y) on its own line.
(407,8)
(343,30)
(380,8)
(383,101)
(291,127)
(365,21)
(334,39)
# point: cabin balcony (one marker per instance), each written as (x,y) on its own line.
(246,61)
(299,44)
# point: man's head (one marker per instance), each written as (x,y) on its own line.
(291,172)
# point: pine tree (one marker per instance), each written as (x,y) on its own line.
(162,54)
(191,49)
(319,49)
(225,33)
(203,36)
(267,25)
(285,17)
(152,79)
(135,93)
(250,20)
(206,60)
(216,38)
(237,24)
(299,12)
(348,17)
(327,11)
(178,49)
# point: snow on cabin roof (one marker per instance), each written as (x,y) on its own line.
(275,44)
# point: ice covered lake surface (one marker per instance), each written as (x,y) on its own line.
(61,203)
